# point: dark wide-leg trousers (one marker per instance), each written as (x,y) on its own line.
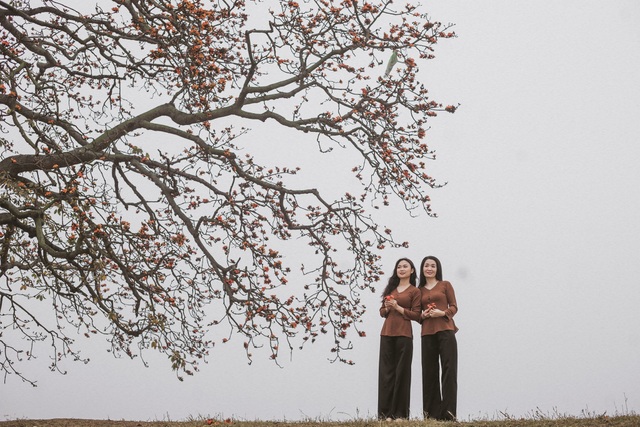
(394,377)
(440,349)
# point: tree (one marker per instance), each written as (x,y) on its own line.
(128,207)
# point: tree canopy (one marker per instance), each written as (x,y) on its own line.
(132,204)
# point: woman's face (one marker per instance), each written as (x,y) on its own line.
(403,269)
(429,268)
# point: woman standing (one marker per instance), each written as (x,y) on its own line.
(439,345)
(400,305)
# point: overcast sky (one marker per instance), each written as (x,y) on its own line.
(538,232)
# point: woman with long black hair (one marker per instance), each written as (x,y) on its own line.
(400,305)
(439,345)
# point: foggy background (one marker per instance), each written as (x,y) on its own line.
(537,230)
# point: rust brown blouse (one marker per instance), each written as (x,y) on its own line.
(444,297)
(399,325)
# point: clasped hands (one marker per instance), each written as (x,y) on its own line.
(391,304)
(432,312)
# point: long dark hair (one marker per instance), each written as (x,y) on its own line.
(423,280)
(394,280)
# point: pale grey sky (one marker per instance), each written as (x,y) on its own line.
(538,231)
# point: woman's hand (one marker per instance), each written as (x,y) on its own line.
(432,312)
(392,304)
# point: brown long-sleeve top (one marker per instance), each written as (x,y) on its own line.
(399,325)
(444,297)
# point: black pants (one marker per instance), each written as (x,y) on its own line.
(440,349)
(394,377)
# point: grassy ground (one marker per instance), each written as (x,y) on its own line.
(614,421)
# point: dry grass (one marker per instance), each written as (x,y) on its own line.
(537,421)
